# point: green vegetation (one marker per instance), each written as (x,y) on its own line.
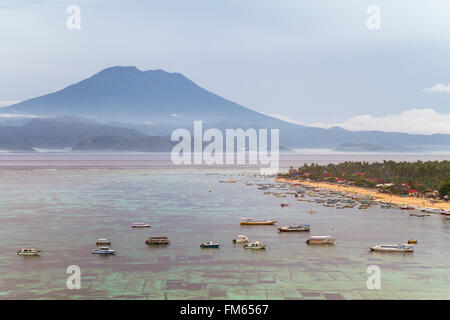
(444,190)
(413,178)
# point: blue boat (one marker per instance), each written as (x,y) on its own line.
(210,245)
(104,250)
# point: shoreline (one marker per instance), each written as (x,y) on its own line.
(399,200)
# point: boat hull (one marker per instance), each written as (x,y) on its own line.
(293,230)
(258,223)
(106,253)
(28,253)
(321,241)
(210,246)
(390,250)
(254,248)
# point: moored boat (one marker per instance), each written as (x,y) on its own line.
(103,241)
(321,240)
(141,225)
(157,240)
(392,248)
(240,239)
(420,215)
(251,221)
(301,227)
(104,251)
(256,245)
(210,244)
(407,208)
(28,252)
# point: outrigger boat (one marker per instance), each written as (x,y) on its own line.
(210,245)
(240,239)
(157,240)
(255,246)
(104,250)
(393,248)
(102,242)
(301,227)
(321,240)
(28,252)
(141,225)
(252,222)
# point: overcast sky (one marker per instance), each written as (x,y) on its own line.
(311,62)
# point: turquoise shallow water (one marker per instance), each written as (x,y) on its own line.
(63,212)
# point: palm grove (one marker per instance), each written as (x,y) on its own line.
(429,178)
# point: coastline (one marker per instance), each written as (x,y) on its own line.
(399,200)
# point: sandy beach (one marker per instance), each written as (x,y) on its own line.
(399,200)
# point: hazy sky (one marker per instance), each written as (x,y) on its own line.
(312,62)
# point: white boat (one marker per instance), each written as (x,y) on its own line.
(240,239)
(141,225)
(255,246)
(104,250)
(251,221)
(28,252)
(321,240)
(393,248)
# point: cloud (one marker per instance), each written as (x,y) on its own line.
(439,88)
(14,115)
(7,103)
(415,121)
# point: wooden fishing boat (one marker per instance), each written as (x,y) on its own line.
(284,204)
(407,208)
(256,245)
(102,242)
(157,240)
(227,181)
(28,252)
(301,227)
(321,240)
(141,225)
(252,222)
(210,244)
(392,248)
(240,239)
(412,241)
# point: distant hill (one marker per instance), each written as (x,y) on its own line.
(59,133)
(156,102)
